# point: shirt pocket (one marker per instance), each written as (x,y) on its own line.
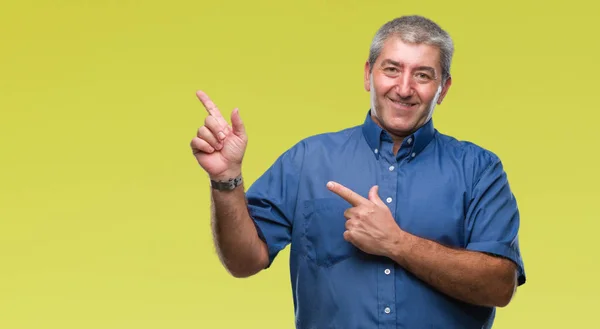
(323,234)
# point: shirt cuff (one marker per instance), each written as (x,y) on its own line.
(502,250)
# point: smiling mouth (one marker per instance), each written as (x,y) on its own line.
(403,104)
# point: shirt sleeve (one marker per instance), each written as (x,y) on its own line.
(493,218)
(272,200)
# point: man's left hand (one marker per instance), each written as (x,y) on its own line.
(370,225)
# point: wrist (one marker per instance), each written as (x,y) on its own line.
(226,182)
(226,175)
(400,247)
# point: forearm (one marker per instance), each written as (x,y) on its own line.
(470,276)
(239,247)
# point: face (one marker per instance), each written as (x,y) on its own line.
(405,85)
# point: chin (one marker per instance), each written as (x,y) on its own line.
(400,123)
(402,126)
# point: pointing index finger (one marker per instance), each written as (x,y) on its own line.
(347,194)
(208,104)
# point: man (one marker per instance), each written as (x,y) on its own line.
(391,223)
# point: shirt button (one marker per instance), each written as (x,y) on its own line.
(413,155)
(387,310)
(376,151)
(391,168)
(387,271)
(409,140)
(388,200)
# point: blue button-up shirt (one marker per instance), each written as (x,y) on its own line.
(438,188)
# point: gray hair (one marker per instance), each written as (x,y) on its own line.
(417,30)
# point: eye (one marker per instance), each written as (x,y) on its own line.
(422,76)
(391,71)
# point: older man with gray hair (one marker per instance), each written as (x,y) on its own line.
(392,224)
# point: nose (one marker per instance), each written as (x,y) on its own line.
(404,86)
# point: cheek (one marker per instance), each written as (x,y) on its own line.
(429,94)
(382,85)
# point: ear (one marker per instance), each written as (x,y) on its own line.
(367,76)
(445,88)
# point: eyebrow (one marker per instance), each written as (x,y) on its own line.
(419,68)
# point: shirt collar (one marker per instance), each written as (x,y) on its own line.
(416,142)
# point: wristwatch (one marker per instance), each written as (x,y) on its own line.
(227,185)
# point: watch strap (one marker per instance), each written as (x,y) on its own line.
(227,185)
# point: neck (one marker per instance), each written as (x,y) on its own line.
(397,144)
(396,138)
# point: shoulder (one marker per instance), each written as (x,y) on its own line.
(466,148)
(473,157)
(323,143)
(332,138)
(327,141)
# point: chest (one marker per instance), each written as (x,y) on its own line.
(426,200)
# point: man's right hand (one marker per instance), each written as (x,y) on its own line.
(219,147)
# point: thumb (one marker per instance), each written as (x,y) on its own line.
(237,124)
(374,195)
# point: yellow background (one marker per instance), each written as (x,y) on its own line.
(104,213)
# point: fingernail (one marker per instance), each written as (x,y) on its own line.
(330,184)
(221,135)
